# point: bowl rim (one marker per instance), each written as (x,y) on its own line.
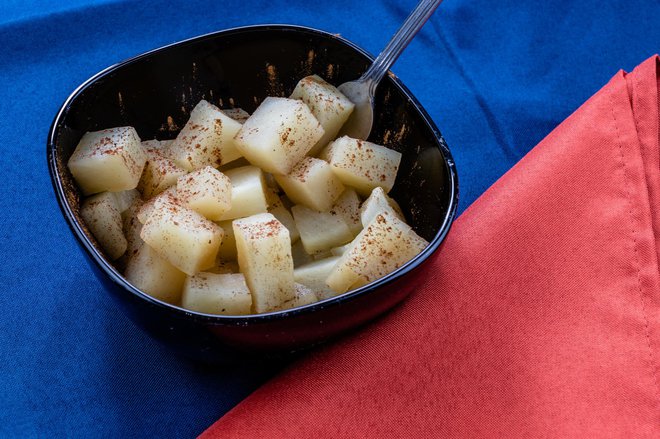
(239,320)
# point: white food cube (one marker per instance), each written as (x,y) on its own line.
(223,267)
(338,251)
(167,196)
(283,215)
(378,202)
(210,293)
(384,245)
(238,114)
(103,219)
(363,165)
(271,183)
(185,238)
(206,139)
(235,164)
(278,134)
(320,231)
(132,227)
(272,193)
(299,254)
(348,207)
(303,296)
(312,183)
(227,249)
(314,274)
(108,160)
(125,199)
(248,192)
(322,254)
(330,107)
(206,191)
(264,257)
(359,282)
(153,274)
(159,145)
(160,172)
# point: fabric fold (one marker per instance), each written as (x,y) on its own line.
(644,103)
(538,317)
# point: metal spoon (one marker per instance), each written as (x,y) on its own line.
(361,92)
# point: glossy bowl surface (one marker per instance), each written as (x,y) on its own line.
(154,92)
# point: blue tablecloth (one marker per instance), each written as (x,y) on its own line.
(495,76)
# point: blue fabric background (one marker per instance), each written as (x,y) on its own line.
(495,76)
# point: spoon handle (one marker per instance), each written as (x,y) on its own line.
(399,41)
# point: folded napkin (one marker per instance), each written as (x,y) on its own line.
(538,318)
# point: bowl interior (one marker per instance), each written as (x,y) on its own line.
(156,91)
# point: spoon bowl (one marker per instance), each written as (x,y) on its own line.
(358,125)
(361,91)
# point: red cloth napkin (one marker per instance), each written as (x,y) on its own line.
(538,318)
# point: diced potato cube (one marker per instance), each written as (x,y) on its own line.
(239,163)
(314,274)
(311,183)
(348,207)
(103,219)
(272,194)
(108,160)
(338,251)
(299,255)
(206,191)
(159,145)
(206,139)
(224,267)
(379,202)
(227,250)
(363,165)
(303,296)
(278,134)
(272,183)
(283,215)
(322,254)
(238,114)
(185,238)
(264,257)
(168,196)
(384,245)
(132,227)
(359,282)
(248,192)
(160,172)
(330,107)
(151,144)
(320,230)
(154,275)
(125,199)
(217,294)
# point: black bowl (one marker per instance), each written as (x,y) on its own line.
(155,92)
